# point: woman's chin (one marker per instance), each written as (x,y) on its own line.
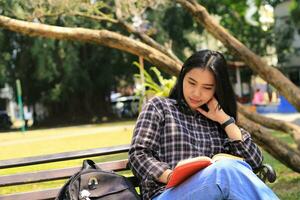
(193,107)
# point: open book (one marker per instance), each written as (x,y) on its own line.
(188,167)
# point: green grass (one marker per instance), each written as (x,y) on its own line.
(287,185)
(48,141)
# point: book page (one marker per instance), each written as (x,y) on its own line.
(221,156)
(190,160)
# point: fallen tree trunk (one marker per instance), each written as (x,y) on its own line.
(268,73)
(286,127)
(278,149)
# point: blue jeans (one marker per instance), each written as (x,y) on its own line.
(225,179)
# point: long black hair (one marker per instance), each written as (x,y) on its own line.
(216,63)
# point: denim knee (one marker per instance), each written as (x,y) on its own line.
(228,164)
(224,168)
(226,171)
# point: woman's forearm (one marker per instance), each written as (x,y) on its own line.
(233,132)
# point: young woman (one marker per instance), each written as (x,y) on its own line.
(198,119)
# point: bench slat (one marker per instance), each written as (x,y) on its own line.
(36,195)
(56,174)
(18,162)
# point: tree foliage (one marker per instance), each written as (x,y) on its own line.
(158,86)
(295,13)
(70,78)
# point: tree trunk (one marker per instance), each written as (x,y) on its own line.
(278,149)
(268,73)
(283,126)
(102,37)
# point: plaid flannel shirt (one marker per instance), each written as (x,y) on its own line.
(164,135)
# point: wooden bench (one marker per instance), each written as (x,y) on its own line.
(266,173)
(57,174)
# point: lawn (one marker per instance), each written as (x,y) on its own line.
(48,141)
(287,185)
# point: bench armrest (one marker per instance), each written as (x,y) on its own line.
(266,173)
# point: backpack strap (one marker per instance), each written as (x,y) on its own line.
(89,164)
(62,193)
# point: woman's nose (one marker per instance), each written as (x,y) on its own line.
(197,93)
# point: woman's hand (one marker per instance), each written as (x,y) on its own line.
(217,114)
(165,177)
(214,113)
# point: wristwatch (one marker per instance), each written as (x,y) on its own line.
(229,121)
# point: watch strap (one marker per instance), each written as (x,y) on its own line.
(229,121)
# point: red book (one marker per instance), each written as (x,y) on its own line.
(187,168)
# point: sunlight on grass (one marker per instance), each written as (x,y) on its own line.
(40,133)
(41,142)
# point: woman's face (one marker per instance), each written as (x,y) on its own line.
(198,87)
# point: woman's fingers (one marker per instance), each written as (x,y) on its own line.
(202,111)
(213,104)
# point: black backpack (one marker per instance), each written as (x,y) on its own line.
(92,183)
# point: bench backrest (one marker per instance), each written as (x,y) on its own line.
(57,174)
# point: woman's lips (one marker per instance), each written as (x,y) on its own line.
(193,101)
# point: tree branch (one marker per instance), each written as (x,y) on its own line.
(268,73)
(129,28)
(144,37)
(278,149)
(148,40)
(283,126)
(95,17)
(102,37)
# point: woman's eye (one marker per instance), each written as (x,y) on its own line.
(208,88)
(192,83)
